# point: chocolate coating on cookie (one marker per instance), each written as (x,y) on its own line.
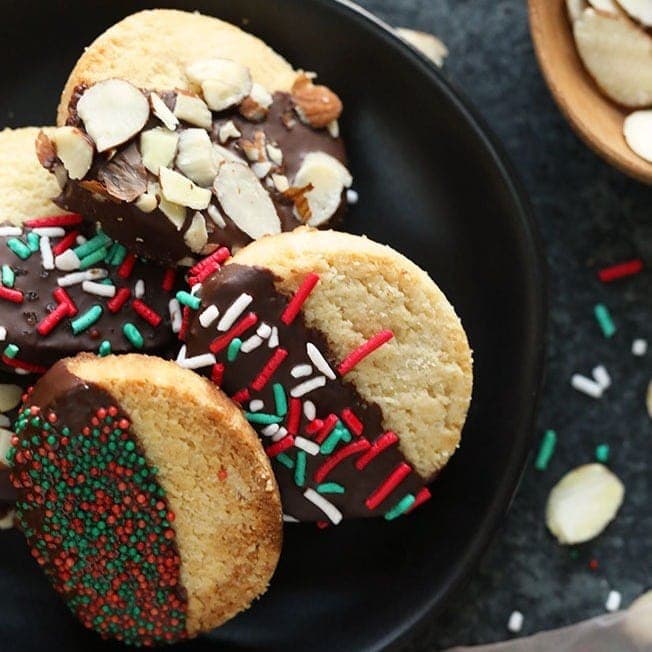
(331,454)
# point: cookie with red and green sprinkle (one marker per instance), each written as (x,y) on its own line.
(145,496)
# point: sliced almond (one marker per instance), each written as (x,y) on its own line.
(255,149)
(161,110)
(181,190)
(113,111)
(9,397)
(261,170)
(618,54)
(124,177)
(280,182)
(334,129)
(221,154)
(174,212)
(256,107)
(193,110)
(275,154)
(195,158)
(74,150)
(426,43)
(146,202)
(639,10)
(158,147)
(224,83)
(605,6)
(583,503)
(637,130)
(245,201)
(575,9)
(216,217)
(328,178)
(196,236)
(316,106)
(227,131)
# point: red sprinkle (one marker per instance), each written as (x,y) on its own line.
(280,446)
(363,351)
(168,279)
(383,442)
(217,373)
(269,369)
(49,323)
(423,496)
(299,298)
(69,219)
(223,341)
(358,446)
(9,294)
(621,270)
(185,323)
(352,422)
(124,271)
(388,485)
(329,423)
(144,311)
(593,564)
(294,416)
(121,297)
(241,396)
(20,364)
(65,243)
(61,296)
(314,426)
(322,525)
(217,257)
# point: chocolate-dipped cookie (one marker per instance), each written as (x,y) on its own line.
(145,497)
(349,362)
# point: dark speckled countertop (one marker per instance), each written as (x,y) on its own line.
(590,216)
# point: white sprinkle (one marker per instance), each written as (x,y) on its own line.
(309,410)
(181,356)
(281,434)
(290,519)
(613,601)
(264,330)
(195,289)
(301,370)
(175,315)
(198,361)
(234,311)
(214,214)
(271,429)
(639,347)
(139,289)
(602,377)
(99,289)
(515,624)
(50,232)
(75,278)
(319,361)
(273,338)
(3,333)
(311,447)
(308,386)
(334,514)
(80,239)
(352,197)
(47,257)
(6,231)
(256,405)
(209,315)
(252,343)
(7,521)
(586,386)
(67,261)
(5,422)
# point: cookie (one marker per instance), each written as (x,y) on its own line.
(25,187)
(349,362)
(10,401)
(145,497)
(200,154)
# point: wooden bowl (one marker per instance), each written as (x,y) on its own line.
(597,120)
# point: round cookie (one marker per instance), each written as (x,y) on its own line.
(348,360)
(152,49)
(148,501)
(25,187)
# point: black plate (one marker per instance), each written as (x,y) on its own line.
(432,184)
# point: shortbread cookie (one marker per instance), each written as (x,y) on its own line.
(62,293)
(25,187)
(347,359)
(145,496)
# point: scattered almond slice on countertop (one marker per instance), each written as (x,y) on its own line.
(224,83)
(637,130)
(639,10)
(158,147)
(618,54)
(181,190)
(10,396)
(243,198)
(113,111)
(74,149)
(575,9)
(583,503)
(195,157)
(426,43)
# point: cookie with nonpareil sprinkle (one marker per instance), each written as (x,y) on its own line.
(347,359)
(145,496)
(178,150)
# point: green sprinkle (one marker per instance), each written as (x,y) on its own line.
(85,321)
(100,241)
(234,349)
(280,399)
(602,453)
(400,508)
(283,458)
(92,258)
(262,418)
(119,254)
(187,299)
(19,248)
(546,450)
(105,349)
(11,350)
(604,319)
(300,469)
(330,488)
(8,276)
(133,335)
(339,434)
(33,240)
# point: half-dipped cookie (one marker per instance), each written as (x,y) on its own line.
(347,359)
(145,496)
